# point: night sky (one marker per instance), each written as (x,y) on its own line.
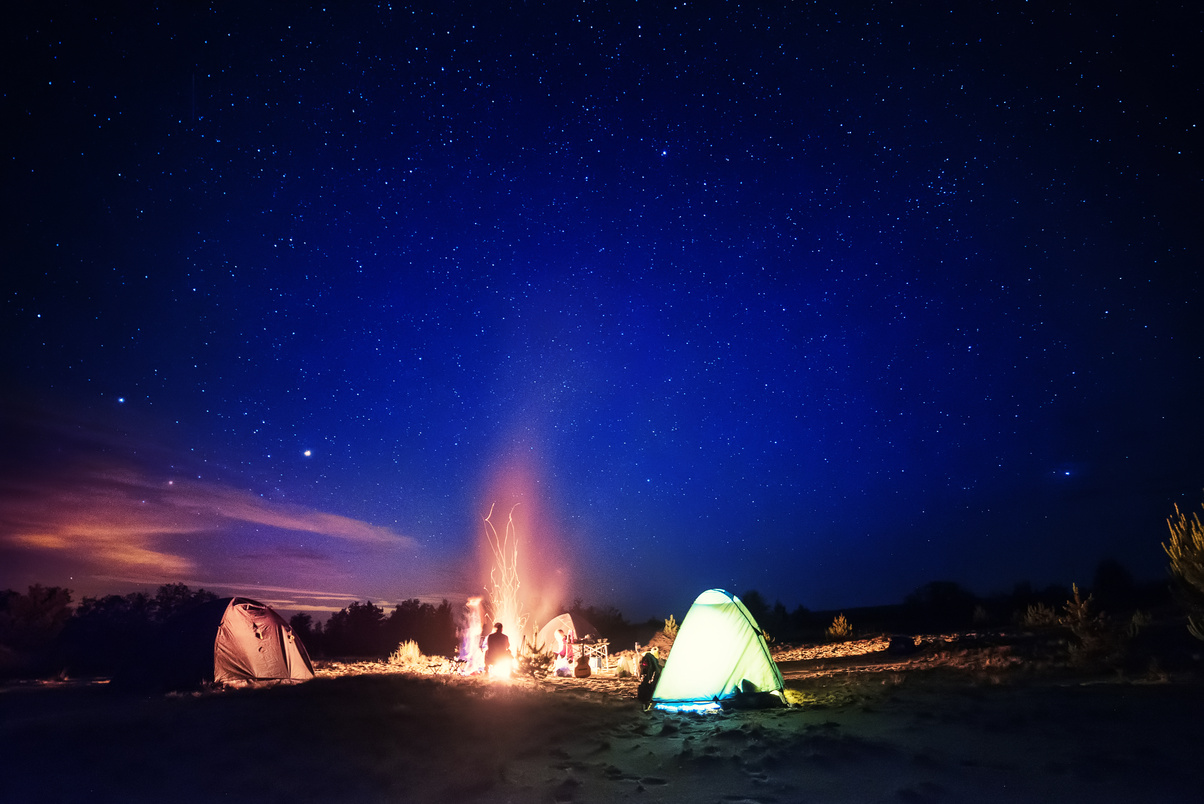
(827,302)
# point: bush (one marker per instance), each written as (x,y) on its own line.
(1186,551)
(536,663)
(840,629)
(670,628)
(1039,615)
(406,655)
(1139,622)
(1096,642)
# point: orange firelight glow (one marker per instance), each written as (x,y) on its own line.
(530,581)
(502,669)
(472,655)
(503,577)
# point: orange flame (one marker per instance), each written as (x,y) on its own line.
(472,655)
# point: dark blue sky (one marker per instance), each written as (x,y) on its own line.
(824,302)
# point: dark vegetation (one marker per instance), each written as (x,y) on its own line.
(947,606)
(1113,622)
(363,630)
(41,635)
(1186,552)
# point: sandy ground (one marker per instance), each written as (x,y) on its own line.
(871,727)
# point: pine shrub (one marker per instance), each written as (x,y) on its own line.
(1186,551)
(840,629)
(406,655)
(1039,615)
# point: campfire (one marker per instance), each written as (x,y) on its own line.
(472,652)
(505,607)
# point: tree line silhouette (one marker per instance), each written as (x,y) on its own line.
(363,630)
(42,634)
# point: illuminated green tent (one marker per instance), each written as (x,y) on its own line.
(719,658)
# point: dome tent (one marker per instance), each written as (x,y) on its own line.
(719,658)
(577,627)
(235,641)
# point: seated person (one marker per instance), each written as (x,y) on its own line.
(562,644)
(497,646)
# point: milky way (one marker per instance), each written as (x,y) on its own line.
(824,302)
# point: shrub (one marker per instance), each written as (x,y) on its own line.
(1139,622)
(533,660)
(1096,641)
(406,655)
(1039,615)
(1186,551)
(839,629)
(1076,613)
(671,627)
(536,664)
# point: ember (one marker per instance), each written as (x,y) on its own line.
(504,598)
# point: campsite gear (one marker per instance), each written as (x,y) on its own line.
(719,658)
(596,650)
(233,641)
(650,670)
(575,628)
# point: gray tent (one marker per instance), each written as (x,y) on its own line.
(575,627)
(235,641)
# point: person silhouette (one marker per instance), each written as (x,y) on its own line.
(497,646)
(650,671)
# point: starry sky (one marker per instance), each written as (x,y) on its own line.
(827,300)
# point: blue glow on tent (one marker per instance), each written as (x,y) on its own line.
(706,707)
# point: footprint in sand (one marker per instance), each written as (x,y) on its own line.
(565,790)
(615,774)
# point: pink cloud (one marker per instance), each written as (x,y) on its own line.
(111,520)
